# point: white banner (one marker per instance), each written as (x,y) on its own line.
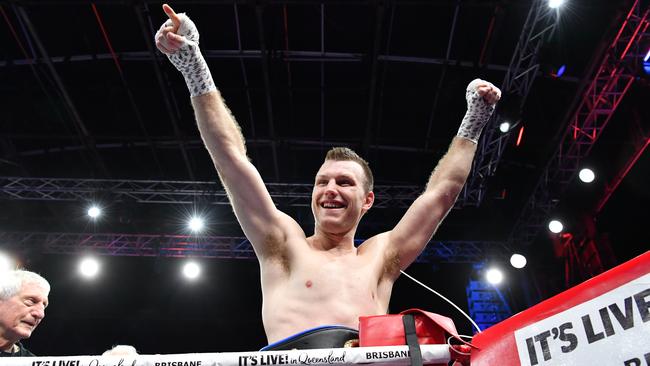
(611,329)
(393,355)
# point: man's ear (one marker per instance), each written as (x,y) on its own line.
(368,201)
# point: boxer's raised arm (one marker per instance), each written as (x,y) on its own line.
(417,226)
(260,220)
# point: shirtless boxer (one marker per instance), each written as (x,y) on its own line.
(323,278)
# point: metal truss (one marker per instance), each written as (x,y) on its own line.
(288,55)
(608,87)
(176,192)
(522,71)
(152,245)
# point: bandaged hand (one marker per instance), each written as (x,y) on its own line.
(178,38)
(482,97)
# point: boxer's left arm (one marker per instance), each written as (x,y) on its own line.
(421,220)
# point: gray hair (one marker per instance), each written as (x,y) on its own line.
(12,281)
(121,350)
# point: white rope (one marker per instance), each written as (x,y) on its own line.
(444,298)
(389,355)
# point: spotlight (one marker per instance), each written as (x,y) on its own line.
(191,270)
(556,72)
(554,4)
(586,175)
(552,61)
(196,224)
(494,276)
(89,267)
(6,262)
(555,226)
(518,261)
(94,211)
(504,127)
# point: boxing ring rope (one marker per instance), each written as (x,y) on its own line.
(387,355)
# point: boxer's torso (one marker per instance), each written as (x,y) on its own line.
(304,287)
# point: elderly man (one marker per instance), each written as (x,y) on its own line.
(312,281)
(23,299)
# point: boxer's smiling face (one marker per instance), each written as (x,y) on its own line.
(339,198)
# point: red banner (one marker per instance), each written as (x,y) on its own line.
(603,321)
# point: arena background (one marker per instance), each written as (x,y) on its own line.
(85,97)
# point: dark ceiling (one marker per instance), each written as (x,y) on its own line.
(85,96)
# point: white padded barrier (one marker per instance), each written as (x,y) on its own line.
(390,355)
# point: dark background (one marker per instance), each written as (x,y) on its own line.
(135,122)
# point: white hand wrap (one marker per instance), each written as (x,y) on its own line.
(478,113)
(188,59)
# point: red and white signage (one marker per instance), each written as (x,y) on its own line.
(603,321)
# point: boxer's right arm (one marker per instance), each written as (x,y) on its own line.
(252,203)
(262,223)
